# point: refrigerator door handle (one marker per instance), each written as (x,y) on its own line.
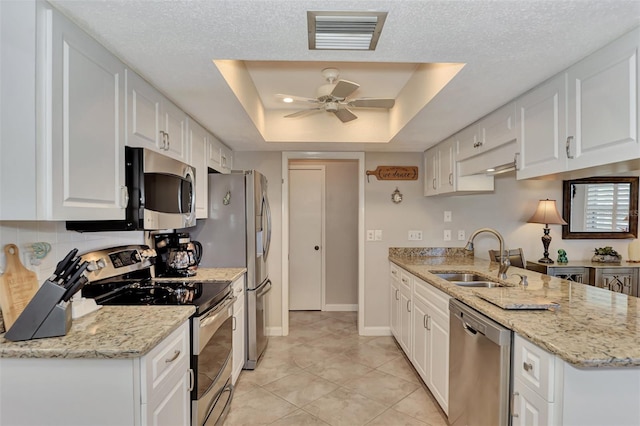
(267,209)
(263,289)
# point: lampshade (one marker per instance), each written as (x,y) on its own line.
(547,213)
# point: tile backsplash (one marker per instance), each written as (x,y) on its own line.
(24,234)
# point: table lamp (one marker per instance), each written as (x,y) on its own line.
(547,213)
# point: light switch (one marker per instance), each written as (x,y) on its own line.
(447,216)
(461,235)
(378,235)
(447,234)
(370,235)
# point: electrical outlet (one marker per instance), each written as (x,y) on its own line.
(378,235)
(461,236)
(447,234)
(415,235)
(370,235)
(447,216)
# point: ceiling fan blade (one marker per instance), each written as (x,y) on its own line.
(345,115)
(372,103)
(298,98)
(303,112)
(344,88)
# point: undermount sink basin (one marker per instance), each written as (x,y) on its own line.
(467,280)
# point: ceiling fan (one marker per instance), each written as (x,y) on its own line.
(332,97)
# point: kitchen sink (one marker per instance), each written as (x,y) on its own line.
(467,280)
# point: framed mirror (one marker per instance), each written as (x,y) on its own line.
(600,208)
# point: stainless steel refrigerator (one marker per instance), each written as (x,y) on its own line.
(238,234)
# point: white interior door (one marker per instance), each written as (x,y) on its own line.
(306,237)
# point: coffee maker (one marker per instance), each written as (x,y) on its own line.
(177,255)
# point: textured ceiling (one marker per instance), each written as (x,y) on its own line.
(508,46)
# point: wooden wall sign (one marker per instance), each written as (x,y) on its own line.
(394,173)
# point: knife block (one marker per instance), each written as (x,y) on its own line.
(46,315)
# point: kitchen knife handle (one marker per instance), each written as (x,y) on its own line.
(62,265)
(77,274)
(68,271)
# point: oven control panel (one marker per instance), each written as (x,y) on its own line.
(115,261)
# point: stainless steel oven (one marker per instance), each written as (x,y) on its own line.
(211,359)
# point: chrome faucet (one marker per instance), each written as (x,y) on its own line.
(504,260)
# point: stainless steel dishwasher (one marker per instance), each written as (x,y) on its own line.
(479,368)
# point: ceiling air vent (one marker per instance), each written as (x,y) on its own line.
(344,30)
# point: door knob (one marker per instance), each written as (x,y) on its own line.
(316,248)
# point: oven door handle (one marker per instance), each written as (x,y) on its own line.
(213,315)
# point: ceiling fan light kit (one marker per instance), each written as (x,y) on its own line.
(332,97)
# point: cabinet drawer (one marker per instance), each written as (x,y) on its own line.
(438,299)
(169,358)
(405,279)
(395,271)
(535,367)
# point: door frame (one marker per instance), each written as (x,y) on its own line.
(322,226)
(294,155)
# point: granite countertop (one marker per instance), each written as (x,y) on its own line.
(592,327)
(110,332)
(212,274)
(116,331)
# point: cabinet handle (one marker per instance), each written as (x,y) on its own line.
(425,321)
(450,178)
(513,399)
(477,144)
(406,281)
(163,137)
(191,379)
(124,195)
(568,146)
(433,184)
(234,324)
(516,163)
(527,366)
(394,272)
(408,305)
(175,356)
(397,296)
(168,142)
(223,160)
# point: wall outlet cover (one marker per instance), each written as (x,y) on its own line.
(378,234)
(370,235)
(447,216)
(447,234)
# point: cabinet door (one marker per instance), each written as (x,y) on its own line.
(174,122)
(226,159)
(238,337)
(420,350)
(575,274)
(199,146)
(438,366)
(619,280)
(394,297)
(603,105)
(213,161)
(405,319)
(446,167)
(87,152)
(529,408)
(498,128)
(174,408)
(541,124)
(143,115)
(468,142)
(431,171)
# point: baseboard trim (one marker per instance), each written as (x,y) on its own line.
(376,331)
(274,331)
(341,307)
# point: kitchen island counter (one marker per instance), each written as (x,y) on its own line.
(109,332)
(592,327)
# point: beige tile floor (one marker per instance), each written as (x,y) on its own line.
(324,373)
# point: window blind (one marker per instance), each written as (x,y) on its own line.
(607,207)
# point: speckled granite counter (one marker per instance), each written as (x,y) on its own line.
(110,332)
(213,274)
(591,328)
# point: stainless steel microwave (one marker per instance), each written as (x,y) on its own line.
(161,195)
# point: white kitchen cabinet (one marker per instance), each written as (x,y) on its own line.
(394,297)
(153,121)
(490,132)
(226,159)
(584,117)
(549,391)
(239,329)
(430,351)
(152,389)
(198,158)
(442,174)
(220,156)
(420,324)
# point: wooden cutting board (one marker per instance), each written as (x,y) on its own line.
(17,286)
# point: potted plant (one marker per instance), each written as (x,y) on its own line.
(606,255)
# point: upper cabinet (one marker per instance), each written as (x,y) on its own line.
(220,156)
(492,131)
(153,121)
(584,117)
(199,143)
(71,144)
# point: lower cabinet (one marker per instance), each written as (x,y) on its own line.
(150,390)
(420,323)
(239,329)
(549,391)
